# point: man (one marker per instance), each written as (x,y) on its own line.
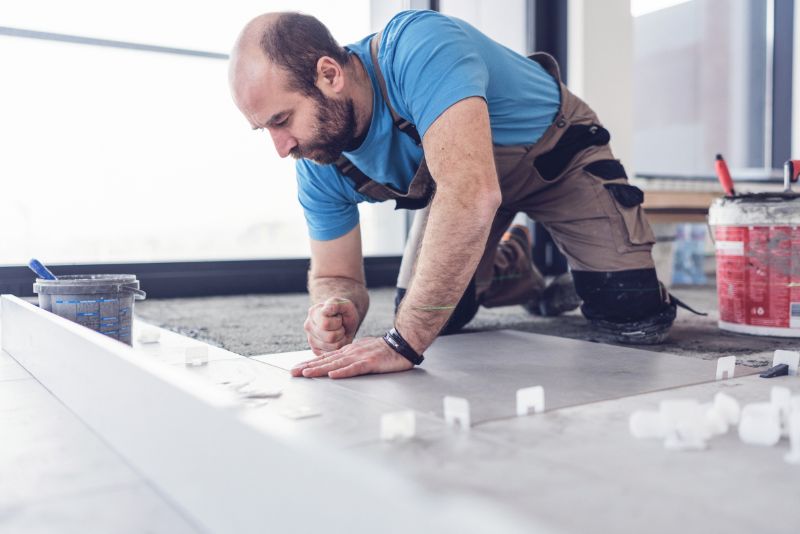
(436,116)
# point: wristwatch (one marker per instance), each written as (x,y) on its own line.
(401,347)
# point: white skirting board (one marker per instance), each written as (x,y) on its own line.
(188,440)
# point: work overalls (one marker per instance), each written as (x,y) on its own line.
(568,181)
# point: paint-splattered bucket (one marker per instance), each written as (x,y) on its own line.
(757,240)
(102,302)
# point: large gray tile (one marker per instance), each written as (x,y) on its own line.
(578,468)
(45,451)
(285,360)
(346,418)
(127,509)
(487,368)
(596,439)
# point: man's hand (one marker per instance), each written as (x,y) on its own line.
(365,356)
(331,325)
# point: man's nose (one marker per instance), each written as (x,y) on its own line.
(284,143)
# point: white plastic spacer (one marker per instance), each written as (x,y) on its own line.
(647,424)
(789,357)
(456,411)
(197,355)
(782,398)
(530,398)
(760,424)
(727,407)
(400,425)
(793,456)
(148,334)
(725,367)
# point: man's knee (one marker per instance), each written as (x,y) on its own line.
(629,307)
(620,296)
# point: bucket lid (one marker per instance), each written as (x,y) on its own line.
(82,284)
(756,209)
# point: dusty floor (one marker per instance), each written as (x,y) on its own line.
(260,324)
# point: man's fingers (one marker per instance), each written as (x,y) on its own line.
(329,323)
(328,338)
(323,341)
(297,370)
(360,367)
(318,320)
(343,310)
(323,369)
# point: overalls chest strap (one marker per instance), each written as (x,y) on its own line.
(422,186)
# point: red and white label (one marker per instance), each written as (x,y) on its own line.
(758,275)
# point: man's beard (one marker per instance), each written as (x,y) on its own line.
(334,131)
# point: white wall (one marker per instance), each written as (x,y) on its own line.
(502,20)
(600,63)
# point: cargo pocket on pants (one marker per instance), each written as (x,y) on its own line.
(625,204)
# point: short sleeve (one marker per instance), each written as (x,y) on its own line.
(433,64)
(328,204)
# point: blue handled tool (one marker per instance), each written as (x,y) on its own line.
(40,270)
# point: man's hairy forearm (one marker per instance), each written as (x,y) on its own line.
(454,242)
(321,289)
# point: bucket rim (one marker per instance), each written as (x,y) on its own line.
(88,279)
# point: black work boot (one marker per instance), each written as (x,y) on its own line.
(558,297)
(651,330)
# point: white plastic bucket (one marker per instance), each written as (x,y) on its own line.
(102,302)
(757,241)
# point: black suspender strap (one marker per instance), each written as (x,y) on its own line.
(347,168)
(344,165)
(402,124)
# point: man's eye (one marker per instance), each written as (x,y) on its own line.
(282,123)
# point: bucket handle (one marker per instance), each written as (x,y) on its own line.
(711,233)
(138,294)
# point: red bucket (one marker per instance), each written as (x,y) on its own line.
(757,241)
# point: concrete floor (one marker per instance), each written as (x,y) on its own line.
(262,324)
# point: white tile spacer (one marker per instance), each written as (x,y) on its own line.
(793,456)
(690,434)
(789,357)
(782,398)
(398,425)
(148,334)
(197,355)
(527,398)
(645,424)
(725,367)
(456,411)
(727,407)
(760,424)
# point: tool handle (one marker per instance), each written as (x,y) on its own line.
(40,270)
(791,171)
(724,175)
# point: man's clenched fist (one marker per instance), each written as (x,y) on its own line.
(331,325)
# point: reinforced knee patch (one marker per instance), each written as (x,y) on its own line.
(620,296)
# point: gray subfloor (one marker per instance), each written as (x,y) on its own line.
(259,324)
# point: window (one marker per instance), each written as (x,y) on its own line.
(132,150)
(705,76)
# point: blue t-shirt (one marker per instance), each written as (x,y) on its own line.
(430,61)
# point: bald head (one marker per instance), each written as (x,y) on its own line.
(287,44)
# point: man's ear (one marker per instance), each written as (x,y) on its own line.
(330,75)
